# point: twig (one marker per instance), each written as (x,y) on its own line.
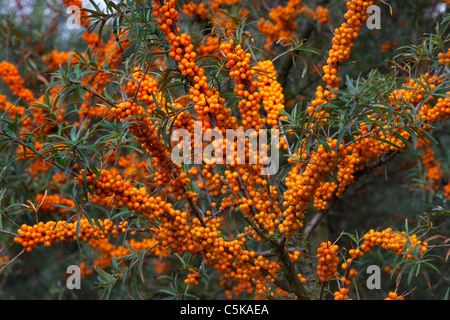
(387,157)
(197,212)
(12,260)
(208,196)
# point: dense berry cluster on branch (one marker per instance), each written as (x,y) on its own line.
(104,129)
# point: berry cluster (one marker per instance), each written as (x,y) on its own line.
(144,128)
(209,47)
(193,9)
(46,203)
(434,171)
(322,14)
(192,277)
(209,105)
(108,251)
(146,89)
(303,181)
(56,59)
(394,296)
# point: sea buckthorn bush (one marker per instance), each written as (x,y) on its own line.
(354,118)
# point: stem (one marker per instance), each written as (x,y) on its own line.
(93,92)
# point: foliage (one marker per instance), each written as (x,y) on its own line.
(89,178)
